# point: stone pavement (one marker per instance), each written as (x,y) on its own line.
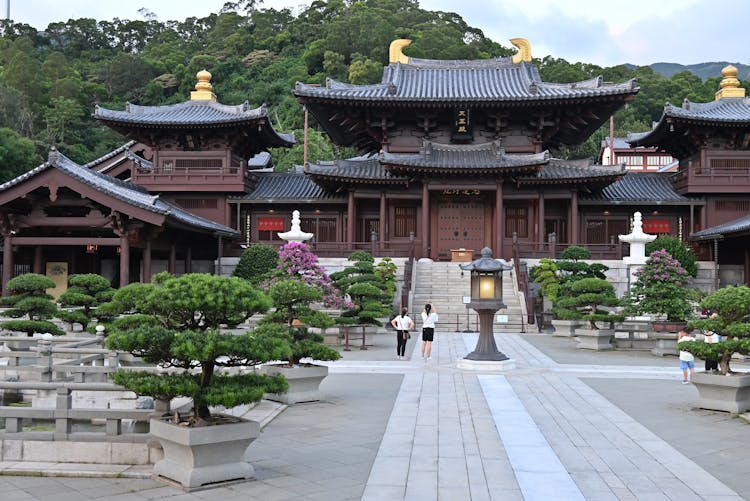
(565,424)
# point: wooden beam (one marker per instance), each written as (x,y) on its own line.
(104,241)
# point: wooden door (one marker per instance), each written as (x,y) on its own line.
(460,225)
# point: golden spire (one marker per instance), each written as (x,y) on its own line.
(730,85)
(203,89)
(394,52)
(524,50)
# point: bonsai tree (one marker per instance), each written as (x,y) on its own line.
(678,250)
(368,297)
(256,262)
(571,269)
(292,300)
(545,274)
(29,298)
(177,324)
(385,270)
(585,298)
(84,294)
(732,322)
(661,289)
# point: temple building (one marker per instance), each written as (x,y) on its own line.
(712,143)
(159,203)
(455,156)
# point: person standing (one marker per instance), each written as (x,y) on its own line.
(712,364)
(429,317)
(403,324)
(687,360)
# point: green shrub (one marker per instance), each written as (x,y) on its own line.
(584,298)
(29,298)
(256,262)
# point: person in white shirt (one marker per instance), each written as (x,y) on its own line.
(403,324)
(687,360)
(429,317)
(712,364)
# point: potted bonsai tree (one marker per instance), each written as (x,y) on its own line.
(178,324)
(368,296)
(570,268)
(585,299)
(661,289)
(29,299)
(731,321)
(293,313)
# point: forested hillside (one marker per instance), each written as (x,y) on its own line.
(51,80)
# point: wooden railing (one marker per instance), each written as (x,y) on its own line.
(523,281)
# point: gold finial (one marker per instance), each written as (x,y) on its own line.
(524,50)
(394,53)
(730,85)
(203,89)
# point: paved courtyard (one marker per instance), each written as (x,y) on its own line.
(565,424)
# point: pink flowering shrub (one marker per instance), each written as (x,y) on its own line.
(297,261)
(662,289)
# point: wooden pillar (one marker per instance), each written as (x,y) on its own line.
(704,217)
(425,220)
(124,260)
(147,263)
(172,263)
(381,221)
(540,222)
(574,231)
(189,260)
(351,222)
(499,220)
(7,261)
(38,260)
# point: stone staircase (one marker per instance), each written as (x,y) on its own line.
(444,285)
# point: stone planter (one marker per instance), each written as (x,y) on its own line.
(595,339)
(304,382)
(723,393)
(666,344)
(566,328)
(194,457)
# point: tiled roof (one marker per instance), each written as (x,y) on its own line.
(482,80)
(558,170)
(288,186)
(465,158)
(638,187)
(185,113)
(112,154)
(365,168)
(727,112)
(121,190)
(203,113)
(740,225)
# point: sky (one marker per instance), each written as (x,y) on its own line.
(605,33)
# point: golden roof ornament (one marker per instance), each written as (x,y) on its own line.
(395,54)
(730,85)
(203,89)
(524,50)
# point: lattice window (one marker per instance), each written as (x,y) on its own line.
(405,221)
(732,205)
(197,203)
(517,221)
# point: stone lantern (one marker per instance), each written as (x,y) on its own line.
(486,299)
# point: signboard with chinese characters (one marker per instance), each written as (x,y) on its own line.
(462,125)
(271,223)
(656,226)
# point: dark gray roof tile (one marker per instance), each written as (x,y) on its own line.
(740,225)
(638,187)
(288,186)
(466,157)
(491,80)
